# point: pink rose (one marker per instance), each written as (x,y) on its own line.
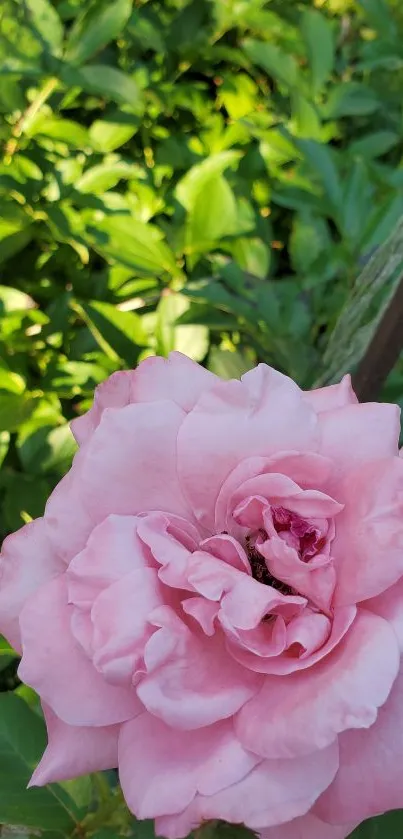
(213,602)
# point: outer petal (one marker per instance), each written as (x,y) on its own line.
(307,827)
(161,769)
(307,710)
(75,751)
(369,779)
(368,547)
(56,667)
(389,605)
(115,392)
(176,378)
(127,467)
(332,397)
(192,681)
(276,791)
(358,433)
(263,413)
(27,561)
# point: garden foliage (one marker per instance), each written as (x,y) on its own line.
(208,176)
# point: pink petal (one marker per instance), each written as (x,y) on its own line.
(27,561)
(358,433)
(307,710)
(307,469)
(192,681)
(115,392)
(176,378)
(307,827)
(369,779)
(368,547)
(120,616)
(389,605)
(280,490)
(113,550)
(56,667)
(169,541)
(333,396)
(161,769)
(74,751)
(263,413)
(261,660)
(275,792)
(127,467)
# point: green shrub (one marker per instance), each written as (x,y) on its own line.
(208,176)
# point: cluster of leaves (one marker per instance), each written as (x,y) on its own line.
(197,175)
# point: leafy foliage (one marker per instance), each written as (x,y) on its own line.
(180,174)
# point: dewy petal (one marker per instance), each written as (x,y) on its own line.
(368,547)
(176,378)
(120,617)
(369,779)
(113,550)
(191,680)
(56,667)
(332,397)
(307,827)
(260,415)
(307,710)
(275,792)
(161,769)
(128,466)
(27,561)
(73,751)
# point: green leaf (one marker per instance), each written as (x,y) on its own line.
(192,340)
(104,176)
(123,331)
(5,648)
(108,82)
(131,243)
(46,24)
(253,256)
(113,131)
(306,242)
(212,216)
(317,33)
(22,741)
(375,144)
(63,130)
(276,63)
(44,449)
(99,23)
(14,409)
(388,826)
(227,364)
(379,16)
(198,176)
(351,99)
(13,299)
(25,499)
(4,444)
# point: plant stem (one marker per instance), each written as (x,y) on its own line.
(28,116)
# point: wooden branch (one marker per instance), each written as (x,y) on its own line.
(383,350)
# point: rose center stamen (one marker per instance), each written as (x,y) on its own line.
(260,571)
